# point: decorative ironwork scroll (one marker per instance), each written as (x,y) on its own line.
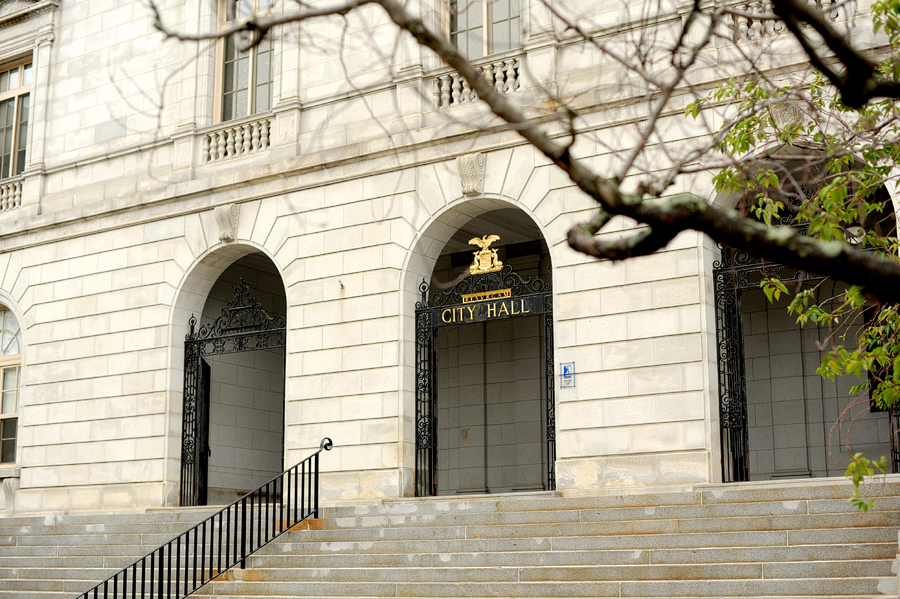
(243,326)
(479,298)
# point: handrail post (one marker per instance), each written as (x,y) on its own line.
(316,489)
(243,531)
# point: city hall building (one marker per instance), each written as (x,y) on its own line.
(211,258)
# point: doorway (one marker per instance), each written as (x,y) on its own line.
(485,409)
(233,421)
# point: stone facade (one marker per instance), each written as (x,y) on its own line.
(342,198)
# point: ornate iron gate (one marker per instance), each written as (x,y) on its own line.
(736,272)
(479,298)
(243,326)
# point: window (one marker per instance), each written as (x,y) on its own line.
(469,34)
(15,96)
(10,382)
(246,75)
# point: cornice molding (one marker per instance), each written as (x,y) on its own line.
(24,10)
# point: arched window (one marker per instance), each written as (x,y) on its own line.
(10,377)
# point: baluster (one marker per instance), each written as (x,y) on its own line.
(488,70)
(456,89)
(752,24)
(466,91)
(436,92)
(162,570)
(206,157)
(239,140)
(4,195)
(177,565)
(762,25)
(296,495)
(281,524)
(203,577)
(512,82)
(220,550)
(17,195)
(445,91)
(243,530)
(743,27)
(777,26)
(245,149)
(221,145)
(264,137)
(187,561)
(229,142)
(765,26)
(213,146)
(169,570)
(254,142)
(500,76)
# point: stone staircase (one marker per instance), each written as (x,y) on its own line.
(798,539)
(62,556)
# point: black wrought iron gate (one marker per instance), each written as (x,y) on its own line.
(243,326)
(735,273)
(479,298)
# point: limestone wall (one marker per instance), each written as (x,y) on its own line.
(117,245)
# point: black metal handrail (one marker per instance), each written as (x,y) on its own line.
(227,538)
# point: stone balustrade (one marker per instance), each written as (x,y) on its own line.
(747,27)
(236,139)
(450,89)
(10,194)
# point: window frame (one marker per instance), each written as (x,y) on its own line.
(19,141)
(219,99)
(487,26)
(11,361)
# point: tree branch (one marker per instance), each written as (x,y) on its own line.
(667,216)
(860,80)
(642,243)
(257,24)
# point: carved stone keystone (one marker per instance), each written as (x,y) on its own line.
(471,173)
(227,219)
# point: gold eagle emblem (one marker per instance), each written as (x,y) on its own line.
(486,259)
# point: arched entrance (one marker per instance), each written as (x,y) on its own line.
(485,406)
(233,418)
(778,418)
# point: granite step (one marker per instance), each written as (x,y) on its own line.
(757,541)
(867,586)
(817,553)
(379,519)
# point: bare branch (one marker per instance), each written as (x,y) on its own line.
(256,24)
(859,81)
